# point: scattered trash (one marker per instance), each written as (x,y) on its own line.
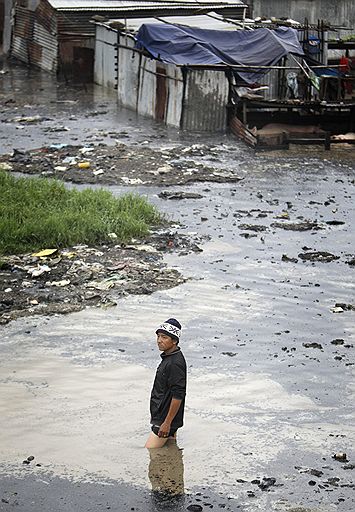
(58,146)
(4,166)
(142,247)
(98,172)
(60,168)
(179,195)
(63,282)
(85,151)
(28,119)
(84,165)
(45,252)
(56,129)
(39,270)
(336,309)
(341,456)
(131,181)
(164,169)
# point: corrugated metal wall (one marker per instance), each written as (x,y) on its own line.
(147,87)
(206,98)
(175,95)
(76,22)
(141,81)
(128,74)
(106,55)
(34,38)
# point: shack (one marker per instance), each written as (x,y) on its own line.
(212,75)
(58,36)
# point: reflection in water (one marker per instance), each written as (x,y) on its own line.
(166,475)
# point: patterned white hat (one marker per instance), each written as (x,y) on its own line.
(171,327)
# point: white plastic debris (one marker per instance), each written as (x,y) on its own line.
(131,181)
(63,282)
(337,309)
(39,270)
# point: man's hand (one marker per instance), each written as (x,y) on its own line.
(164,429)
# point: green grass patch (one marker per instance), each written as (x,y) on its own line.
(41,213)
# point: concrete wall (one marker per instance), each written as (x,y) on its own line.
(336,12)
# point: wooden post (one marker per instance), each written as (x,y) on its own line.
(245,113)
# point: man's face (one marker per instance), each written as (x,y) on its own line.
(165,342)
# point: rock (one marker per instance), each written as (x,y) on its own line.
(266,483)
(230,354)
(345,307)
(30,458)
(333,481)
(252,227)
(322,256)
(288,259)
(315,472)
(312,482)
(335,222)
(296,226)
(194,508)
(313,345)
(349,466)
(337,341)
(179,195)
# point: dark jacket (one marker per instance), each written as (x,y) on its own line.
(169,382)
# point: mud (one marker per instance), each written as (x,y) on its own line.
(268,336)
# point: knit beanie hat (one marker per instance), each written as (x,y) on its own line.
(172,328)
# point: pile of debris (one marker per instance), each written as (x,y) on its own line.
(116,165)
(56,281)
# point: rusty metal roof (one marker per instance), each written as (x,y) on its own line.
(114,5)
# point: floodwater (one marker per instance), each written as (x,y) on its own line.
(74,390)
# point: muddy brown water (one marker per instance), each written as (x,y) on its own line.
(75,389)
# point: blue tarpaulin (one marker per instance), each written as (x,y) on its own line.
(182,45)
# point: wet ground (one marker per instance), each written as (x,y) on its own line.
(268,332)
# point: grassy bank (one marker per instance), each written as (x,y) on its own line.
(39,213)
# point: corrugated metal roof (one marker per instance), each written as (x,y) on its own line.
(202,21)
(111,5)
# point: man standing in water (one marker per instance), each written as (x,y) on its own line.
(167,398)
